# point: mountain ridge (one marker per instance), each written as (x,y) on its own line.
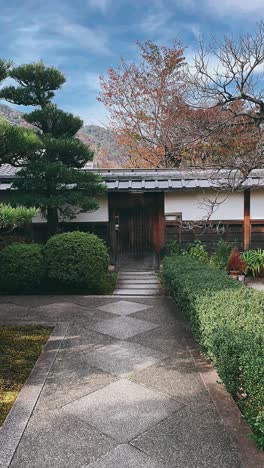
(101,140)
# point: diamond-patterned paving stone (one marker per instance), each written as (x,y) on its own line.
(164,314)
(123,358)
(38,300)
(70,379)
(164,338)
(125,456)
(123,327)
(191,438)
(177,377)
(124,307)
(80,340)
(60,441)
(123,409)
(60,310)
(12,311)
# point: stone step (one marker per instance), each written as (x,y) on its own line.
(139,273)
(137,292)
(136,286)
(137,281)
(135,276)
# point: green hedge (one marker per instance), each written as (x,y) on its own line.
(228,320)
(76,260)
(21,268)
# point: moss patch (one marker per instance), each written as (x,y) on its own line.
(20,347)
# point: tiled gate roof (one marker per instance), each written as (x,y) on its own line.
(156,179)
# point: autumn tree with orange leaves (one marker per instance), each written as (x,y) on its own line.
(145,102)
(165,113)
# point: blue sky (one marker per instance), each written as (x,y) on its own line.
(84,37)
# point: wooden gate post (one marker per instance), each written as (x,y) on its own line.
(247,223)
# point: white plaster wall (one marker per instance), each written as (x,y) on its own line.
(98,216)
(194,206)
(257,204)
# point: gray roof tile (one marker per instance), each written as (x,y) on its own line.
(154,179)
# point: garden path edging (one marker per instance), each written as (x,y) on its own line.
(17,419)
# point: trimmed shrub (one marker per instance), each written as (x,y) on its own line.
(76,260)
(21,268)
(228,320)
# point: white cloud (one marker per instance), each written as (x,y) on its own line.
(88,38)
(47,38)
(154,21)
(101,5)
(236,6)
(86,80)
(29,44)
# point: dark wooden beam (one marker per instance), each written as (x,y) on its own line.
(247,225)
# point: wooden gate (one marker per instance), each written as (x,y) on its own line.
(136,223)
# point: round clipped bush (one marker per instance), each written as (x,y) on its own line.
(76,260)
(21,268)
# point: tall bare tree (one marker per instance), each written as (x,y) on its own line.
(235,86)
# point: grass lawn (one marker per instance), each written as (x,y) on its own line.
(20,347)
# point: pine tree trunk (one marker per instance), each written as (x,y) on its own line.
(52,221)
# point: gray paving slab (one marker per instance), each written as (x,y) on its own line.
(123,409)
(193,437)
(39,300)
(60,311)
(55,439)
(176,377)
(257,286)
(125,456)
(5,299)
(12,311)
(94,301)
(165,315)
(123,358)
(95,314)
(80,340)
(123,327)
(168,339)
(123,307)
(102,391)
(69,380)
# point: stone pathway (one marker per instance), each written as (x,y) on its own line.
(256,283)
(123,391)
(137,283)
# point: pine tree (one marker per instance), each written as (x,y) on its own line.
(51,178)
(4,67)
(14,141)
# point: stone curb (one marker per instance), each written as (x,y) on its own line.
(233,420)
(16,422)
